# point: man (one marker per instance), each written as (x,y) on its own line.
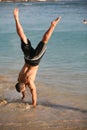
(32,57)
(84,21)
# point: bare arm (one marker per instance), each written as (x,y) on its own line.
(22,74)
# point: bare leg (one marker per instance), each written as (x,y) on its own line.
(49,32)
(18,26)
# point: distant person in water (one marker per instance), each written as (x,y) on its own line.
(32,57)
(84,21)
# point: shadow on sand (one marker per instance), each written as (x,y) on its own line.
(58,106)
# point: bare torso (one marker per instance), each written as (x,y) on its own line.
(27,72)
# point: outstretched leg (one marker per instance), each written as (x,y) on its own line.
(49,32)
(18,26)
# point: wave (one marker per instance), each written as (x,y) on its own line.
(25,4)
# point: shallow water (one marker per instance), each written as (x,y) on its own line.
(57,109)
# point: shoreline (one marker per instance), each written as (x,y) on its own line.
(56,109)
(28,1)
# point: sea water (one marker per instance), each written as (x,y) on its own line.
(65,62)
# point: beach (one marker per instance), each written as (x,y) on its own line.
(61,80)
(56,109)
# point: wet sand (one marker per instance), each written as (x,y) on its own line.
(57,109)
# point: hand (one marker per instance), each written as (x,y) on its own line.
(23,95)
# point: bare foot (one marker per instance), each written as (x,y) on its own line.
(54,23)
(15,12)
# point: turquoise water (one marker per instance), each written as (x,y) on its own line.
(65,62)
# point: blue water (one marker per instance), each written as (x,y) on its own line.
(65,62)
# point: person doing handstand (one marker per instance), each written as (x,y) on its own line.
(32,57)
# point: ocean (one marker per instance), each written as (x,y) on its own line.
(63,68)
(66,58)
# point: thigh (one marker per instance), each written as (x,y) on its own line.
(41,47)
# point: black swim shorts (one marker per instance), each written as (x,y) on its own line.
(33,56)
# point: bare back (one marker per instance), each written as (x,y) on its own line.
(26,73)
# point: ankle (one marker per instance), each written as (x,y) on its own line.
(55,22)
